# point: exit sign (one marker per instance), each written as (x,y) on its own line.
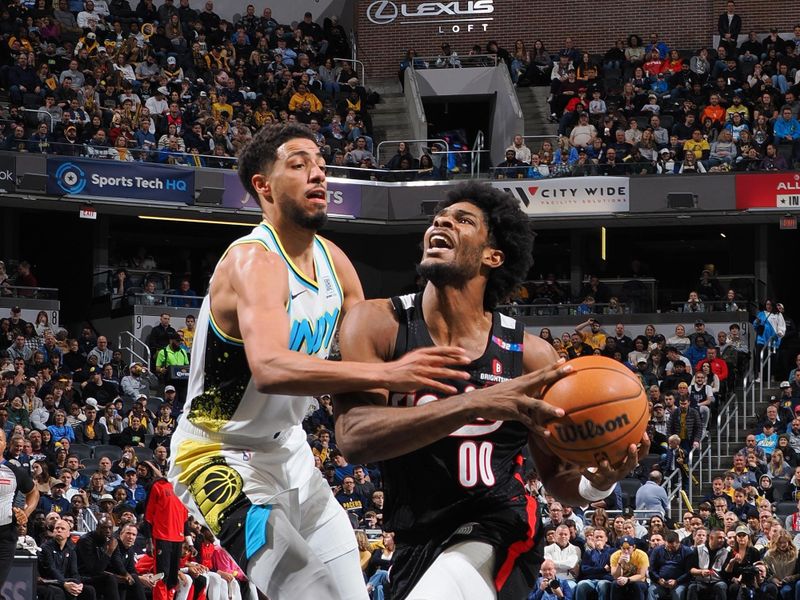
(788,222)
(88,212)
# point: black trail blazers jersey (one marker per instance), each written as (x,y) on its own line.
(467,485)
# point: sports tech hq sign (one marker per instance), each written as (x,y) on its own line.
(449,17)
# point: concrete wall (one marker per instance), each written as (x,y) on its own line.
(507,119)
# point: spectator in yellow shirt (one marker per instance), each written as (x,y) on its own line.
(220,105)
(302,95)
(697,145)
(595,337)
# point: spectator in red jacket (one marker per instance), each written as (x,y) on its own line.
(167,517)
(718,366)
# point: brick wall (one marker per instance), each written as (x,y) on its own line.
(592,25)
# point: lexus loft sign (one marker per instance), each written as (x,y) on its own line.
(451,17)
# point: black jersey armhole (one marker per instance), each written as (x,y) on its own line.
(401,341)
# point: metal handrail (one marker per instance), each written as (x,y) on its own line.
(476,157)
(23,291)
(438,140)
(673,486)
(727,424)
(39,111)
(355,61)
(765,356)
(697,465)
(127,341)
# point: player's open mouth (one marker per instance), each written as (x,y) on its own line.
(439,242)
(317,194)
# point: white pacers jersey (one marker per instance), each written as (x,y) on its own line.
(223,404)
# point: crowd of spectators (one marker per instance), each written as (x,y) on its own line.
(172,84)
(651,108)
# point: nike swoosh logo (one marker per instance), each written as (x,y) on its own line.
(298,293)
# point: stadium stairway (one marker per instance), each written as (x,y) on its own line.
(726,461)
(390,115)
(533,101)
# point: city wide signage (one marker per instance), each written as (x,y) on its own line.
(570,195)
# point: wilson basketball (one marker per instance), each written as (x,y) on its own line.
(606,411)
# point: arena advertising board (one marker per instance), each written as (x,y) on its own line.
(344,198)
(778,191)
(570,195)
(469,16)
(126,181)
(8,174)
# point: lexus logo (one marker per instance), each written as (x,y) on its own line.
(382,12)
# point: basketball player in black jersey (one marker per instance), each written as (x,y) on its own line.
(452,466)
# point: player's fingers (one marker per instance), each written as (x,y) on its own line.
(437,385)
(543,377)
(444,373)
(540,431)
(644,445)
(545,411)
(448,353)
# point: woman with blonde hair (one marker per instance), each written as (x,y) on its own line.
(781,560)
(777,468)
(364,551)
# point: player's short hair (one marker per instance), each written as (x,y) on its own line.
(259,155)
(509,231)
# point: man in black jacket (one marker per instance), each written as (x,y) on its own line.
(124,564)
(94,551)
(58,567)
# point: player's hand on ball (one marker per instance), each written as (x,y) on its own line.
(514,400)
(421,368)
(606,475)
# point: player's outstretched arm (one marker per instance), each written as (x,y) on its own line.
(250,291)
(369,430)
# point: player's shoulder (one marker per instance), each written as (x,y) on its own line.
(247,253)
(376,312)
(538,353)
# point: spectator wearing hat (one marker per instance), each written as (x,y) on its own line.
(134,492)
(98,388)
(767,440)
(55,502)
(137,382)
(686,423)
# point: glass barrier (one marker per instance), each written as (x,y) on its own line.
(173,300)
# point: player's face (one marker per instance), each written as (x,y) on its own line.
(296,186)
(456,246)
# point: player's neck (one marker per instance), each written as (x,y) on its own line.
(297,241)
(455,315)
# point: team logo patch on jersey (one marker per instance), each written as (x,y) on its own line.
(497,367)
(507,346)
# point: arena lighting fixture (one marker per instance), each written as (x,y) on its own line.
(603,243)
(203,221)
(722,235)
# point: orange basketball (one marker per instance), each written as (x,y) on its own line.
(606,411)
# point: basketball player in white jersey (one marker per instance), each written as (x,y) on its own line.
(241,461)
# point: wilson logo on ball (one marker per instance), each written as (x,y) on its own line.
(588,430)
